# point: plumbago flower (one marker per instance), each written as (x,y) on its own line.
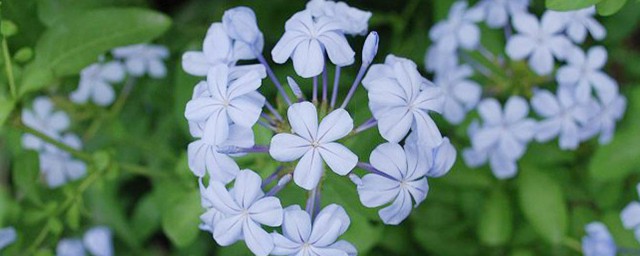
(7,237)
(497,12)
(583,72)
(631,216)
(598,241)
(97,241)
(57,165)
(459,30)
(143,59)
(461,94)
(540,41)
(96,81)
(564,116)
(578,23)
(503,137)
(311,137)
(314,144)
(609,109)
(301,236)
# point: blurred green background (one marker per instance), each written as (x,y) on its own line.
(147,195)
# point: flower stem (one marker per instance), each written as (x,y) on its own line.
(324,84)
(369,168)
(272,177)
(315,90)
(273,110)
(354,86)
(336,81)
(372,122)
(272,76)
(9,67)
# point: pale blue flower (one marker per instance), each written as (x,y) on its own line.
(245,209)
(497,12)
(301,236)
(579,22)
(438,61)
(211,216)
(7,237)
(610,109)
(370,47)
(219,48)
(45,119)
(314,144)
(58,166)
(631,216)
(598,241)
(241,25)
(141,59)
(352,21)
(98,241)
(227,101)
(385,70)
(70,247)
(501,166)
(461,94)
(399,180)
(305,41)
(563,116)
(539,41)
(459,30)
(96,83)
(402,102)
(440,158)
(584,71)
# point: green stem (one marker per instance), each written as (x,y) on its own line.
(39,239)
(136,169)
(76,153)
(8,67)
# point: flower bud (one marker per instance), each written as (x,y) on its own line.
(284,180)
(240,23)
(295,88)
(370,48)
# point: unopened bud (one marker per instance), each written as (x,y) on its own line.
(370,48)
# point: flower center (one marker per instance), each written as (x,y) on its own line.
(315,144)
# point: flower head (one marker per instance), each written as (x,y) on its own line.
(301,236)
(305,41)
(245,208)
(241,26)
(314,144)
(58,166)
(402,101)
(584,71)
(95,83)
(598,241)
(352,21)
(459,30)
(44,119)
(609,110)
(143,59)
(402,181)
(461,94)
(539,41)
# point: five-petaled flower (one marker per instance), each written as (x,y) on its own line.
(314,144)
(583,72)
(95,83)
(143,59)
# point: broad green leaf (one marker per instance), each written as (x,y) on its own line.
(568,5)
(496,221)
(610,7)
(542,202)
(26,175)
(6,106)
(180,222)
(68,47)
(146,217)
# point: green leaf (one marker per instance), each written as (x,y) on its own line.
(543,204)
(6,106)
(180,222)
(610,7)
(496,221)
(146,217)
(69,46)
(568,5)
(26,175)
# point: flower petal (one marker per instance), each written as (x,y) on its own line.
(296,225)
(335,126)
(259,241)
(308,170)
(287,147)
(338,157)
(304,120)
(398,210)
(377,190)
(228,230)
(338,49)
(389,158)
(267,211)
(308,58)
(247,188)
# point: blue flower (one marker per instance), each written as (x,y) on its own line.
(598,241)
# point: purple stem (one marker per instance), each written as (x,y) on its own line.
(272,76)
(268,126)
(238,150)
(366,125)
(368,167)
(336,81)
(354,86)
(273,110)
(313,202)
(271,177)
(268,118)
(281,184)
(315,89)
(324,84)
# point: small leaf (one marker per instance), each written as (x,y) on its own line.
(568,5)
(69,46)
(543,204)
(610,7)
(496,223)
(6,106)
(180,221)
(26,175)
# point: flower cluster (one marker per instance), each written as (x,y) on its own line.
(57,165)
(97,241)
(135,60)
(310,136)
(586,102)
